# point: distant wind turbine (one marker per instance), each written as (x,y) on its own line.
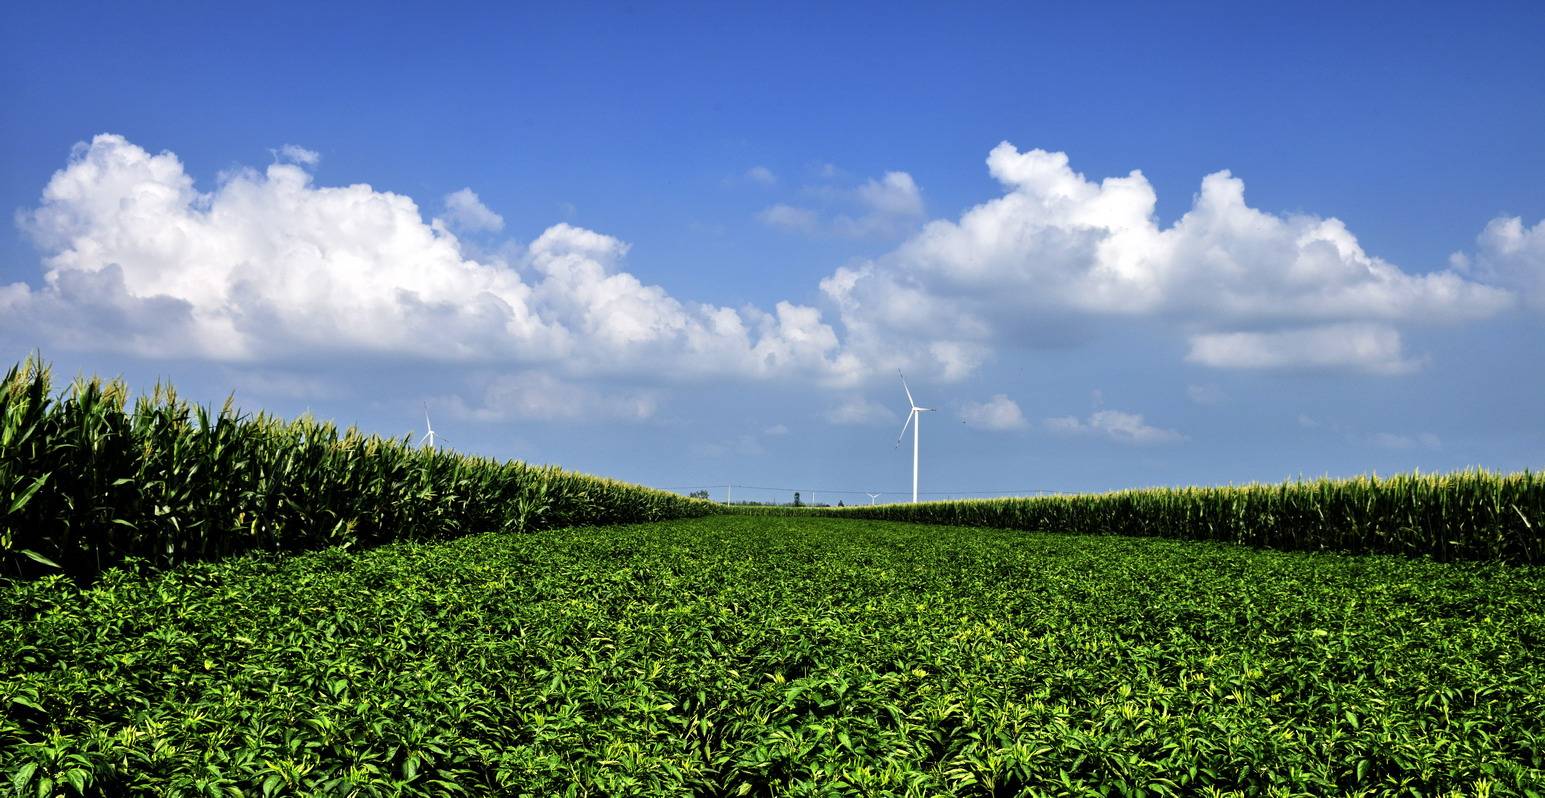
(915,418)
(429,436)
(873,496)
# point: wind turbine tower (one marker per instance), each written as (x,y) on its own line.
(915,418)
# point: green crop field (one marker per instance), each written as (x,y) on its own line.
(780,655)
(1465,515)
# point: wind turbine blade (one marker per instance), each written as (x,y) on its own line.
(905,388)
(427,425)
(425,438)
(904,426)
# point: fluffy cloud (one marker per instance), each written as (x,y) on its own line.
(465,212)
(761,175)
(997,413)
(886,206)
(1374,348)
(1511,254)
(895,194)
(1057,249)
(856,410)
(269,267)
(889,205)
(1129,428)
(296,154)
(788,217)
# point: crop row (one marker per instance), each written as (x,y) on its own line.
(766,656)
(1468,515)
(89,478)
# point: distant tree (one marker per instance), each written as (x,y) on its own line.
(839,503)
(698,494)
(796,499)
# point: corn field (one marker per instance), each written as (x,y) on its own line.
(89,479)
(1468,515)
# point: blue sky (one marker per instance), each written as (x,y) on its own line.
(570,231)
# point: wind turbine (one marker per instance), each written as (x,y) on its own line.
(430,435)
(915,418)
(873,496)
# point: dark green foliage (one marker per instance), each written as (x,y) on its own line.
(1469,515)
(780,656)
(88,479)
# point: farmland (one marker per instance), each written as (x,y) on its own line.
(89,478)
(1465,515)
(780,655)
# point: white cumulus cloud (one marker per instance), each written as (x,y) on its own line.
(465,212)
(268,266)
(997,413)
(296,154)
(1115,425)
(895,194)
(886,206)
(761,175)
(1373,348)
(1512,254)
(790,217)
(889,205)
(856,410)
(1057,248)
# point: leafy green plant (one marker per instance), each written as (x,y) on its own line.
(737,655)
(89,479)
(1469,515)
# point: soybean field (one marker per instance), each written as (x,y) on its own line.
(789,655)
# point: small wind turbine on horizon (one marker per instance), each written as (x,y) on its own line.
(429,436)
(873,496)
(915,418)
